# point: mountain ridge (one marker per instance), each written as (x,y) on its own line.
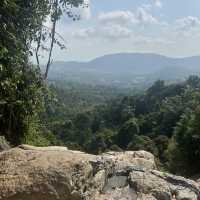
(122,65)
(137,57)
(129,53)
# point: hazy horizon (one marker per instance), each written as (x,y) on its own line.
(121,53)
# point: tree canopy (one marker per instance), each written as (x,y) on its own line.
(22,84)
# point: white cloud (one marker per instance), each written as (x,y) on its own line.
(114,32)
(145,17)
(153,3)
(141,16)
(187,23)
(117,25)
(117,17)
(143,40)
(146,6)
(158,3)
(84,33)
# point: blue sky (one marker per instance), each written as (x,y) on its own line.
(168,27)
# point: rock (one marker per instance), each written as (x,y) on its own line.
(42,174)
(52,148)
(56,173)
(4,145)
(142,159)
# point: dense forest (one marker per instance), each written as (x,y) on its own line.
(164,119)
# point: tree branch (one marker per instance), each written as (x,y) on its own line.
(52,39)
(38,48)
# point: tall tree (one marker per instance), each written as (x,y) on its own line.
(21,84)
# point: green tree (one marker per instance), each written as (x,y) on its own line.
(127,132)
(162,142)
(142,142)
(83,121)
(184,152)
(101,141)
(21,84)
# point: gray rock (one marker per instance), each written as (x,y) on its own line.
(4,145)
(56,173)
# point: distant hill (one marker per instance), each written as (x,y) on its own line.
(126,67)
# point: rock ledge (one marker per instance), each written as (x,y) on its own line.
(56,173)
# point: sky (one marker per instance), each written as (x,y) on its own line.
(167,27)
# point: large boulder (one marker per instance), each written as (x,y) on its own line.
(56,173)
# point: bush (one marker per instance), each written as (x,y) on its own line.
(141,142)
(127,132)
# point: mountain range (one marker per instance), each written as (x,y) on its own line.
(126,68)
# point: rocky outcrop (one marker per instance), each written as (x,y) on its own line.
(56,173)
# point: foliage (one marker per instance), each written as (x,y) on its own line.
(102,141)
(127,132)
(142,142)
(21,84)
(21,97)
(187,143)
(162,120)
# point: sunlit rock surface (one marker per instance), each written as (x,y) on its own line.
(56,173)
